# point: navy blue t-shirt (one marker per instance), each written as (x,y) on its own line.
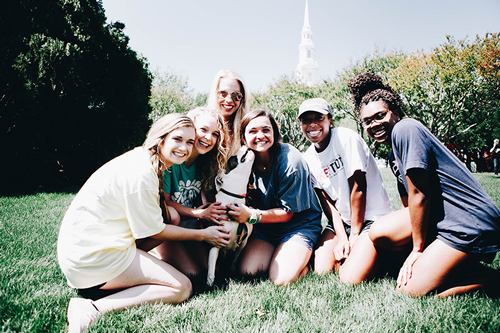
(463,215)
(287,185)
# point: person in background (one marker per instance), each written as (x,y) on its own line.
(184,185)
(350,189)
(116,218)
(228,96)
(495,153)
(453,223)
(281,203)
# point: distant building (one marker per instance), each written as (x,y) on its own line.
(307,69)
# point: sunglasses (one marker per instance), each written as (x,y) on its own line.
(376,117)
(235,95)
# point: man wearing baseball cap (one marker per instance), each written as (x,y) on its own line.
(350,188)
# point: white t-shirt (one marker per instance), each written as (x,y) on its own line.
(346,153)
(118,204)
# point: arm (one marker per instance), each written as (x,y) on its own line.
(419,200)
(209,212)
(357,184)
(342,249)
(214,235)
(241,213)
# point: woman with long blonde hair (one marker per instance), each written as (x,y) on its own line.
(115,219)
(228,95)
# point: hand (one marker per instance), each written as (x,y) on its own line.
(217,236)
(239,212)
(213,212)
(406,270)
(341,251)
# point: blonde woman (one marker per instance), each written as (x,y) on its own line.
(184,185)
(228,96)
(115,219)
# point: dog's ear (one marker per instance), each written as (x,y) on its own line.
(232,163)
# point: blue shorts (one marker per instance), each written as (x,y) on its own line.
(364,228)
(297,237)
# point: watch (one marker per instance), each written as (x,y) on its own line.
(253,218)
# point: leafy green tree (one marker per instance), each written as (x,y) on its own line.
(74,95)
(170,93)
(454,90)
(335,89)
(283,99)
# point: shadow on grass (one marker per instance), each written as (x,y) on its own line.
(223,278)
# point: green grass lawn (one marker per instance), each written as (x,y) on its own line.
(34,295)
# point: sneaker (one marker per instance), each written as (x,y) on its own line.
(81,312)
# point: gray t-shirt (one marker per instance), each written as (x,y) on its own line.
(462,214)
(287,185)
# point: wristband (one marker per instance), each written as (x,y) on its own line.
(260,216)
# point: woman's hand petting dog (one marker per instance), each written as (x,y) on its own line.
(239,212)
(213,212)
(217,236)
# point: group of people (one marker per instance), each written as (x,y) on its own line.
(161,197)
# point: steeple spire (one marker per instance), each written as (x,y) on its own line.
(307,69)
(306,17)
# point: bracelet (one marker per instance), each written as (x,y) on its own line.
(260,215)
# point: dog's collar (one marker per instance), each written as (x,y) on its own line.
(239,196)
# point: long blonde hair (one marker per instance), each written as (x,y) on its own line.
(157,134)
(233,129)
(214,161)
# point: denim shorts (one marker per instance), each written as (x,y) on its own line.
(364,228)
(292,237)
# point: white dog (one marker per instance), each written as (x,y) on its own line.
(232,188)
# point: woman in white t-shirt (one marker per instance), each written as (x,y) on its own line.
(115,219)
(351,192)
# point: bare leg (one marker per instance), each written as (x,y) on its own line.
(256,256)
(392,231)
(443,268)
(324,259)
(147,279)
(361,262)
(289,262)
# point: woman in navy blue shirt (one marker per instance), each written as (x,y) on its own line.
(453,223)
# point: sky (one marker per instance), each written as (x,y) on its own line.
(259,39)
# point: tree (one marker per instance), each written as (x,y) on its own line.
(454,90)
(283,99)
(170,93)
(74,95)
(337,93)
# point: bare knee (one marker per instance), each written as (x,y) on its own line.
(183,290)
(378,235)
(281,280)
(348,277)
(324,261)
(413,290)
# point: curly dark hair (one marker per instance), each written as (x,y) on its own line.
(367,87)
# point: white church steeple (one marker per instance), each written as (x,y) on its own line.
(307,69)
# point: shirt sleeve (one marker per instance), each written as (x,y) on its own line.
(355,151)
(294,183)
(411,146)
(143,213)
